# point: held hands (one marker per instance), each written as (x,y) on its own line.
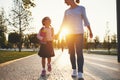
(56,36)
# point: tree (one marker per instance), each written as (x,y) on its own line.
(96,40)
(28,3)
(107,44)
(2,40)
(114,41)
(14,38)
(20,20)
(33,40)
(107,37)
(26,41)
(86,40)
(3,28)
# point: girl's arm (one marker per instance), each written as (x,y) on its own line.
(39,36)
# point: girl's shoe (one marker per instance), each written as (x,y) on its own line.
(80,78)
(43,73)
(49,67)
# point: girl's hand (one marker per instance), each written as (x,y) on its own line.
(45,39)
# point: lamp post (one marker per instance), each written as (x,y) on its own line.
(118,27)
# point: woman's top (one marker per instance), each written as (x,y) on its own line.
(74,18)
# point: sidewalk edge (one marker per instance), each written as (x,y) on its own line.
(11,61)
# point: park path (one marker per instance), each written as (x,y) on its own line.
(96,67)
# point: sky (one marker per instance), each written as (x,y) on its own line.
(101,14)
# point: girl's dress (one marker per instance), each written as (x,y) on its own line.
(46,47)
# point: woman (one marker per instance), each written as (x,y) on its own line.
(73,21)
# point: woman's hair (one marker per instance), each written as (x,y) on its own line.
(77,1)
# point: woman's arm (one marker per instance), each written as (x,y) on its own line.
(90,31)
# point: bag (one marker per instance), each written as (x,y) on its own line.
(43,34)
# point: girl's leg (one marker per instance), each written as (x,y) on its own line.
(49,60)
(43,63)
(43,66)
(49,64)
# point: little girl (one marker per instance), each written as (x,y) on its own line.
(46,51)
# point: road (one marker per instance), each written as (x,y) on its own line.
(102,67)
(96,67)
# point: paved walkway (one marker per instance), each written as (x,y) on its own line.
(30,68)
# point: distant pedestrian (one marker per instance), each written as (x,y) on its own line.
(73,22)
(46,51)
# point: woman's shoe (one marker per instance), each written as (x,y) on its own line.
(74,73)
(80,76)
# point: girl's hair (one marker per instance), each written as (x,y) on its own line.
(45,18)
(77,1)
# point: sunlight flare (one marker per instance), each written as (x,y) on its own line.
(63,33)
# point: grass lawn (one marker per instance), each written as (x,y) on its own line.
(104,52)
(11,55)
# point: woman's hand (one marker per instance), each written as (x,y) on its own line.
(91,35)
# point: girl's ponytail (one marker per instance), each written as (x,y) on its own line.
(77,1)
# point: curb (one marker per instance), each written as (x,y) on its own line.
(11,61)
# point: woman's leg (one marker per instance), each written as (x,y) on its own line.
(70,43)
(79,51)
(72,56)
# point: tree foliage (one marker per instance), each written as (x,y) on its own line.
(2,40)
(14,38)
(96,41)
(33,39)
(28,3)
(3,28)
(20,18)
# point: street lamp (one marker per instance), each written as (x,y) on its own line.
(118,27)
